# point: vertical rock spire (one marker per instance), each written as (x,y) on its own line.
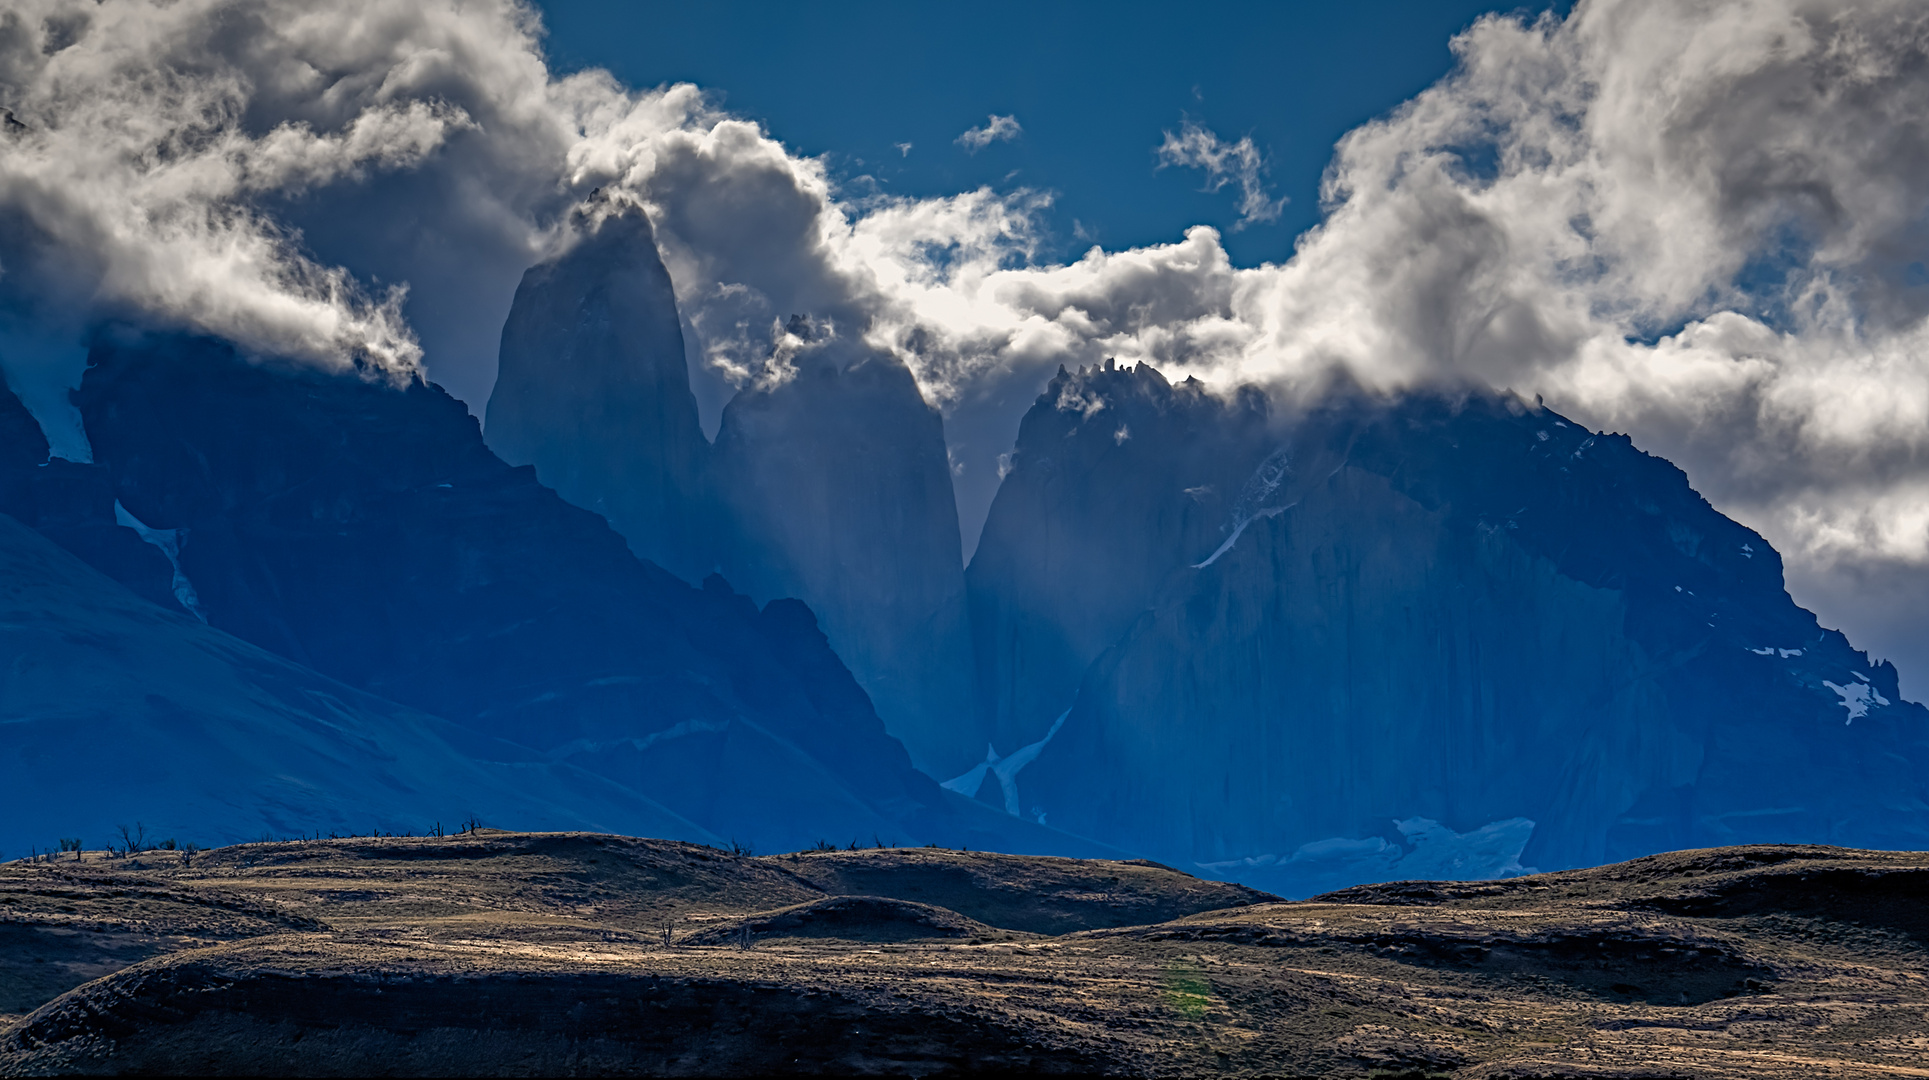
(837,489)
(593,389)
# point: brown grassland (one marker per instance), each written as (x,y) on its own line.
(566,953)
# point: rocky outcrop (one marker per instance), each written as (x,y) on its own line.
(363,529)
(593,390)
(1439,637)
(837,490)
(22,448)
(72,503)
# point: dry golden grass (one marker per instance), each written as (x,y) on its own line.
(531,954)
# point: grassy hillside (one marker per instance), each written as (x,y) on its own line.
(525,953)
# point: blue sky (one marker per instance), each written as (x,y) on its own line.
(1094,89)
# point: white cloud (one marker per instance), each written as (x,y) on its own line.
(996,129)
(130,173)
(1703,223)
(167,156)
(1224,163)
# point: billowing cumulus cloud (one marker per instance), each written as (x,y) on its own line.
(1704,222)
(1195,147)
(131,170)
(153,149)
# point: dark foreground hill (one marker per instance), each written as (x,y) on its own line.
(525,954)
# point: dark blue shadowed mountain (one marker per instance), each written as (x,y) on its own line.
(829,480)
(362,529)
(119,706)
(592,390)
(73,504)
(1445,636)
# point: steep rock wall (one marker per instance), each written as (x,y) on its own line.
(832,486)
(593,390)
(1115,475)
(837,490)
(1447,636)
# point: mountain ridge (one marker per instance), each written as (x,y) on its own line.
(1380,633)
(364,530)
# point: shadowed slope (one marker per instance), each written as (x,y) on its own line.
(115,712)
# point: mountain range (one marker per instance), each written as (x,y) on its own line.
(1301,645)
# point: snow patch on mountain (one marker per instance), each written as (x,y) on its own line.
(169,543)
(1238,527)
(1250,506)
(1004,770)
(1857,697)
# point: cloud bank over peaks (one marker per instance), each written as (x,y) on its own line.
(1704,222)
(181,163)
(129,172)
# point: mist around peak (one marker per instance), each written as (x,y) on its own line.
(1700,226)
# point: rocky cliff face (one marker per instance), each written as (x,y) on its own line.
(1422,639)
(837,490)
(22,448)
(832,486)
(593,390)
(364,530)
(1114,471)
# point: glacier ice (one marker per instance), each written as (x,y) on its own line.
(968,782)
